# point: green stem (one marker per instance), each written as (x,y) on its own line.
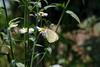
(5,13)
(62,14)
(26,36)
(33,50)
(37,36)
(8,31)
(42,57)
(9,34)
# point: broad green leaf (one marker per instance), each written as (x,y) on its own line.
(71,13)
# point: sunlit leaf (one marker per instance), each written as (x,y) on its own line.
(32,39)
(56,65)
(49,6)
(16,20)
(5,49)
(37,4)
(60,5)
(17,0)
(49,50)
(38,45)
(71,13)
(46,1)
(37,55)
(20,65)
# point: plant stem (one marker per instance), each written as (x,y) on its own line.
(42,57)
(8,31)
(62,14)
(33,50)
(12,54)
(36,37)
(26,36)
(5,13)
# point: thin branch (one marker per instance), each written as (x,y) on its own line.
(62,14)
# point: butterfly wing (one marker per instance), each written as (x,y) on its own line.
(51,36)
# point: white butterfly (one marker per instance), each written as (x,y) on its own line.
(49,34)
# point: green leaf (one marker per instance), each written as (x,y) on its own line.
(55,5)
(60,5)
(20,64)
(49,50)
(17,0)
(38,45)
(71,13)
(37,55)
(16,20)
(46,1)
(49,6)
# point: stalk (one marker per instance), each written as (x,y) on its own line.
(26,36)
(8,31)
(5,13)
(62,14)
(37,36)
(33,50)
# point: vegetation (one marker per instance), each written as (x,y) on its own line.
(32,35)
